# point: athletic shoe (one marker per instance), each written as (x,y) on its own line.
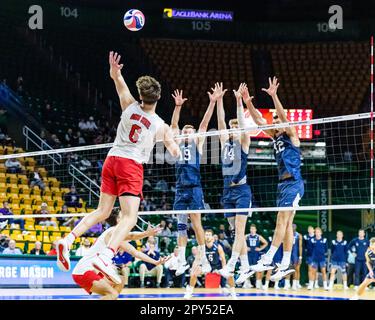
(247,284)
(225,272)
(62,252)
(188,293)
(355,287)
(316,285)
(181,269)
(281,272)
(265,287)
(287,286)
(233,294)
(104,264)
(244,275)
(299,286)
(276,287)
(294,287)
(346,288)
(261,266)
(326,288)
(310,287)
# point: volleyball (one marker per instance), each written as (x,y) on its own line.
(134,20)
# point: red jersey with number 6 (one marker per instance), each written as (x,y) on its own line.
(136,133)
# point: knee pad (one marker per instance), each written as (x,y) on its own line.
(182,225)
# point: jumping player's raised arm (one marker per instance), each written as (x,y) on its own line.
(122,89)
(272,91)
(179,101)
(166,134)
(245,138)
(255,114)
(207,116)
(126,246)
(221,113)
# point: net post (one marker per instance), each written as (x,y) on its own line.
(372,124)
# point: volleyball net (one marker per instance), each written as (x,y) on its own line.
(336,162)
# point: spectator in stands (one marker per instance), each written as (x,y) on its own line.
(164,234)
(81,140)
(174,233)
(171,267)
(4,242)
(54,142)
(123,262)
(224,243)
(53,251)
(190,259)
(37,250)
(45,221)
(151,240)
(68,138)
(82,125)
(6,211)
(84,248)
(12,249)
(36,180)
(64,210)
(72,198)
(95,231)
(13,166)
(225,231)
(91,125)
(148,269)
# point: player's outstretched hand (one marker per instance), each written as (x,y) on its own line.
(114,65)
(163,260)
(238,92)
(246,95)
(273,85)
(178,99)
(153,231)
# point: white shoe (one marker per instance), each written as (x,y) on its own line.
(181,269)
(346,288)
(62,253)
(262,266)
(281,272)
(294,287)
(233,294)
(244,275)
(225,272)
(287,286)
(330,288)
(265,287)
(316,286)
(277,287)
(188,293)
(247,284)
(326,288)
(310,287)
(104,264)
(299,286)
(258,285)
(356,288)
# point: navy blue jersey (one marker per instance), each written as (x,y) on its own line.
(295,248)
(234,162)
(253,242)
(319,249)
(122,258)
(371,255)
(288,157)
(155,256)
(308,246)
(339,251)
(188,166)
(213,256)
(359,247)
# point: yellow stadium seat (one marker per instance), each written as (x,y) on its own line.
(35,207)
(77,240)
(30,161)
(15,201)
(17,211)
(25,189)
(46,238)
(37,200)
(36,191)
(31,246)
(56,234)
(3,189)
(26,201)
(47,191)
(46,247)
(6,232)
(27,211)
(15,231)
(17,236)
(41,228)
(30,168)
(12,178)
(2,177)
(53,228)
(54,238)
(51,203)
(29,227)
(3,184)
(30,237)
(59,203)
(51,209)
(21,245)
(15,206)
(32,233)
(29,221)
(14,188)
(65,229)
(2,168)
(47,198)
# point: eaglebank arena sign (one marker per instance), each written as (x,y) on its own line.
(173,13)
(26,271)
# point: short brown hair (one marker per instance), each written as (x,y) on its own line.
(233,121)
(209,230)
(188,126)
(149,89)
(372,240)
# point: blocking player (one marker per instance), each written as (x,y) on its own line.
(255,244)
(290,188)
(236,192)
(216,258)
(370,263)
(122,174)
(189,193)
(88,278)
(339,256)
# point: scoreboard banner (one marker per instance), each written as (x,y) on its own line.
(304,132)
(33,272)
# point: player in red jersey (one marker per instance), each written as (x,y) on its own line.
(122,175)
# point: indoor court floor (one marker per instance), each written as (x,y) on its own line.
(178,294)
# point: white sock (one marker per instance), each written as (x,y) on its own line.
(324,284)
(295,283)
(311,283)
(266,283)
(345,283)
(233,260)
(70,238)
(286,258)
(270,254)
(287,282)
(277,284)
(258,283)
(181,255)
(245,261)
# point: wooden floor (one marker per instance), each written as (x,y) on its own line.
(177,294)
